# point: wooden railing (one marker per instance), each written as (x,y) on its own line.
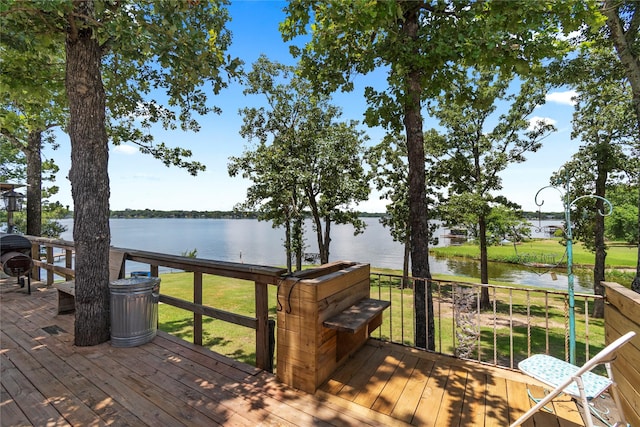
(44,255)
(621,316)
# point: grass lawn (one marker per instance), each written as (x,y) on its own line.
(618,256)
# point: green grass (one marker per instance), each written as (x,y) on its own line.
(618,256)
(233,295)
(237,296)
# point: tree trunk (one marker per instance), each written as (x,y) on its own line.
(629,59)
(327,240)
(89,179)
(287,244)
(405,263)
(598,232)
(418,221)
(625,50)
(34,182)
(323,246)
(297,230)
(484,262)
(598,268)
(298,236)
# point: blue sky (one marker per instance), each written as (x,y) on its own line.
(139,181)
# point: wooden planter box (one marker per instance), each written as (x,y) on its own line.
(313,337)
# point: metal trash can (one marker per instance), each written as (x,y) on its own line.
(134,310)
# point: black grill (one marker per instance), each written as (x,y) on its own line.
(15,257)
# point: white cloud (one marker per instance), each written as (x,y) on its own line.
(533,121)
(565,97)
(145,176)
(125,149)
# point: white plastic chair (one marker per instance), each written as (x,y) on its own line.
(578,382)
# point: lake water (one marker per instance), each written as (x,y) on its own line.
(256,242)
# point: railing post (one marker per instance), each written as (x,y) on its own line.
(35,254)
(68,262)
(197,299)
(51,261)
(262,331)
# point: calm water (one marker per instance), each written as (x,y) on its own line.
(256,242)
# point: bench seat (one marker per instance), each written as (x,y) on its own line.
(354,325)
(66,296)
(67,290)
(357,316)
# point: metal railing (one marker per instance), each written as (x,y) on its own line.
(516,323)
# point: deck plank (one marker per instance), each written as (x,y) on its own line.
(410,397)
(431,399)
(453,398)
(388,397)
(11,413)
(46,372)
(46,380)
(473,409)
(543,418)
(344,373)
(368,395)
(362,376)
(519,401)
(497,412)
(51,355)
(34,405)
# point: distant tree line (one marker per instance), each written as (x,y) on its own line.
(234,214)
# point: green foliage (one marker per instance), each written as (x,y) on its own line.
(159,60)
(304,157)
(622,224)
(605,123)
(190,253)
(13,168)
(506,224)
(390,174)
(417,43)
(357,37)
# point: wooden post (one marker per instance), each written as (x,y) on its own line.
(35,254)
(68,262)
(262,330)
(197,299)
(50,260)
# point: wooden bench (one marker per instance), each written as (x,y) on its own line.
(356,322)
(67,290)
(66,296)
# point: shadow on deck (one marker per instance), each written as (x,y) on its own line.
(46,380)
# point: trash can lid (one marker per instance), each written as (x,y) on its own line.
(135,283)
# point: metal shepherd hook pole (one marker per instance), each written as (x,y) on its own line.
(569,236)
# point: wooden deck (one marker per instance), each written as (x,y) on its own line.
(45,380)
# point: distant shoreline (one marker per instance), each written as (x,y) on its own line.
(154,213)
